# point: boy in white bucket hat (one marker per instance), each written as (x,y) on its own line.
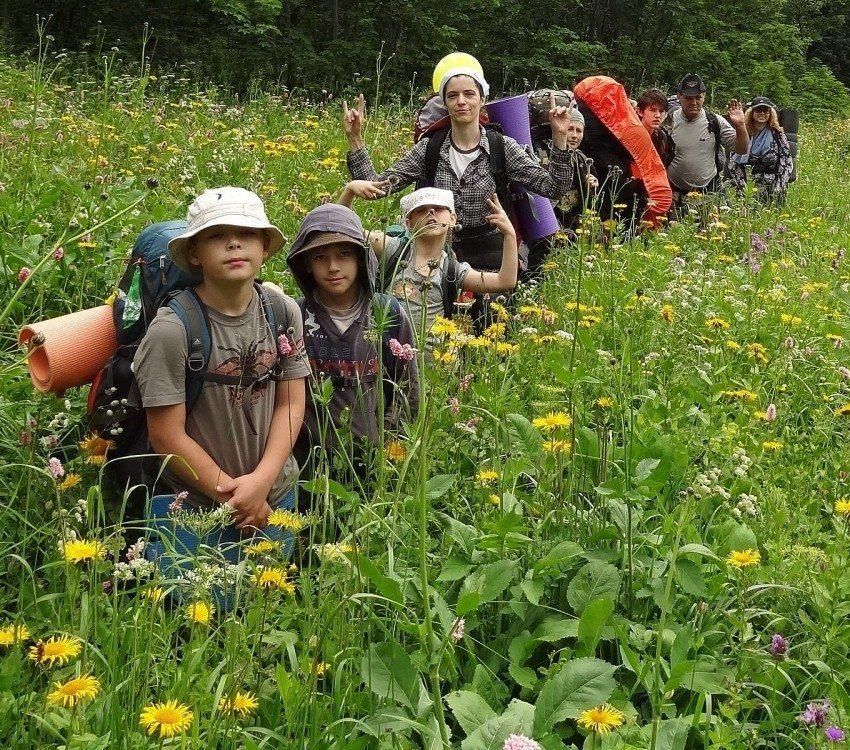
(419,267)
(234,446)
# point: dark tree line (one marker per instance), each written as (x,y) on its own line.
(796,52)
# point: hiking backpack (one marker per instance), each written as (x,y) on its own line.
(114,411)
(449,286)
(433,116)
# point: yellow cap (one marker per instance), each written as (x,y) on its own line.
(455,61)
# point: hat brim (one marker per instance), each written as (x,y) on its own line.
(428,205)
(695,91)
(178,247)
(323,239)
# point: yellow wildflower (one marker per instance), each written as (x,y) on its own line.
(59,649)
(73,691)
(77,551)
(395,451)
(743,558)
(166,719)
(71,480)
(241,703)
(601,719)
(12,634)
(487,476)
(717,324)
(552,421)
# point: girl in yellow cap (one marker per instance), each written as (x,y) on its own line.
(465,161)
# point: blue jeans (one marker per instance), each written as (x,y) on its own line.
(175,549)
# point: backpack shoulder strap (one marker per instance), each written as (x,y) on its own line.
(193,314)
(274,308)
(498,166)
(714,129)
(449,283)
(387,305)
(389,261)
(432,158)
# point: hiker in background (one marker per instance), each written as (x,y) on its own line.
(768,159)
(337,273)
(584,182)
(652,111)
(417,263)
(471,161)
(234,447)
(700,138)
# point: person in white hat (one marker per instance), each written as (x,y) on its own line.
(420,268)
(234,447)
(465,158)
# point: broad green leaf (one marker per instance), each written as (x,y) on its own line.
(556,628)
(438,485)
(385,586)
(558,555)
(596,580)
(742,537)
(469,709)
(454,569)
(389,673)
(485,584)
(689,576)
(697,549)
(645,468)
(580,685)
(590,625)
(698,676)
(491,735)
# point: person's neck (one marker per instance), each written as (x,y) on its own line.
(428,247)
(344,301)
(466,135)
(759,126)
(691,119)
(228,299)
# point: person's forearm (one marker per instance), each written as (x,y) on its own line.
(190,463)
(355,142)
(347,196)
(286,422)
(742,139)
(510,263)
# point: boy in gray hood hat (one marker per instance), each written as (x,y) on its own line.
(336,269)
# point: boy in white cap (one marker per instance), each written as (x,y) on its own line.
(420,267)
(234,447)
(470,161)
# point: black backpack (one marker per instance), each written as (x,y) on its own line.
(714,129)
(498,166)
(114,410)
(449,284)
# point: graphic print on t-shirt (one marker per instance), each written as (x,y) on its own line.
(247,369)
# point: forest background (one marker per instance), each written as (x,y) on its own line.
(797,52)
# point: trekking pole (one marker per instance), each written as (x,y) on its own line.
(20,290)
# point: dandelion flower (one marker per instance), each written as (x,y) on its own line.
(743,558)
(552,421)
(843,410)
(772,445)
(12,634)
(71,480)
(334,552)
(199,613)
(95,448)
(741,394)
(555,446)
(667,313)
(601,719)
(241,703)
(318,668)
(73,691)
(606,402)
(842,507)
(494,500)
(286,519)
(153,594)
(264,546)
(395,451)
(487,476)
(166,719)
(76,551)
(273,578)
(717,324)
(58,649)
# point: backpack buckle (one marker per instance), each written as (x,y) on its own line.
(195,362)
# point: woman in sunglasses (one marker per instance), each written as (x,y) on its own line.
(768,161)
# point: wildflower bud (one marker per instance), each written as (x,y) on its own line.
(86,186)
(24,274)
(152,183)
(778,647)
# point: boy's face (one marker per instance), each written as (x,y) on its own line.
(334,268)
(229,254)
(575,133)
(652,117)
(430,220)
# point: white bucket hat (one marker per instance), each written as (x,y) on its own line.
(224,206)
(427,196)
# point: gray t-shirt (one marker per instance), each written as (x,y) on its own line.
(694,166)
(406,286)
(230,421)
(343,318)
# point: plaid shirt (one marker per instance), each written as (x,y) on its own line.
(477,183)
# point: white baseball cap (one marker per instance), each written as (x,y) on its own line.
(428,196)
(224,206)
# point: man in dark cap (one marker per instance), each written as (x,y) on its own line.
(700,137)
